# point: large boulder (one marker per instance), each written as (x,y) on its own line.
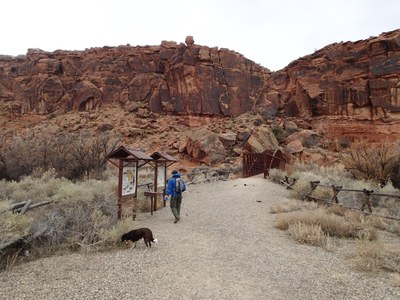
(262,138)
(206,147)
(308,138)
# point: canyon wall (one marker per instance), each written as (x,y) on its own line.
(172,78)
(358,80)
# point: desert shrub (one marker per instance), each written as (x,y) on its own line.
(307,233)
(301,188)
(367,256)
(305,173)
(276,174)
(280,133)
(78,213)
(72,155)
(331,225)
(360,225)
(371,162)
(82,215)
(112,236)
(396,280)
(372,256)
(390,258)
(337,210)
(284,208)
(326,174)
(323,193)
(11,224)
(290,206)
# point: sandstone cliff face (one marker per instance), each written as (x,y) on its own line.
(182,79)
(360,80)
(353,80)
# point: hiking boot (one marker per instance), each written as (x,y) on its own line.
(176,220)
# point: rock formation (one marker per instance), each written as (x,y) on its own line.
(356,79)
(346,89)
(174,78)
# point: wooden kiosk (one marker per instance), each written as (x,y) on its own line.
(161,161)
(128,162)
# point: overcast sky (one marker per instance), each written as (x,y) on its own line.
(270,32)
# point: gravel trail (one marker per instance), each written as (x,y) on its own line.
(225,248)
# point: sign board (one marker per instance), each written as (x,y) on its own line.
(161,176)
(128,180)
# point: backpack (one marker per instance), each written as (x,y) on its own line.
(178,185)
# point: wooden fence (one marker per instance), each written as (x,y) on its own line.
(366,200)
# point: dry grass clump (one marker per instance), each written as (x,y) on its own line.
(307,233)
(390,258)
(337,210)
(372,256)
(330,224)
(284,208)
(290,206)
(322,193)
(352,225)
(396,280)
(301,189)
(276,175)
(360,225)
(111,236)
(367,255)
(12,225)
(325,174)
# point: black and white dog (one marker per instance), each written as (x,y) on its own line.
(137,234)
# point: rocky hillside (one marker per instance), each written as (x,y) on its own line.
(201,101)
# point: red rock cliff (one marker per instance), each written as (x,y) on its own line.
(183,79)
(359,79)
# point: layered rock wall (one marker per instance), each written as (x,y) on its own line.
(359,80)
(173,78)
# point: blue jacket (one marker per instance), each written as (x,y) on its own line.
(171,187)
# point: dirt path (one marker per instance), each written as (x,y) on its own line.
(226,248)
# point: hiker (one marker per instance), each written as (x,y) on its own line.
(176,186)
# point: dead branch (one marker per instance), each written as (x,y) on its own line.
(26,207)
(12,242)
(34,205)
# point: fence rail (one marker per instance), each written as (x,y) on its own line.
(366,200)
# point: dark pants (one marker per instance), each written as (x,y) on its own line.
(176,206)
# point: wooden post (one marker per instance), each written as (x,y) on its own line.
(335,192)
(314,185)
(366,200)
(135,196)
(244,165)
(120,167)
(155,186)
